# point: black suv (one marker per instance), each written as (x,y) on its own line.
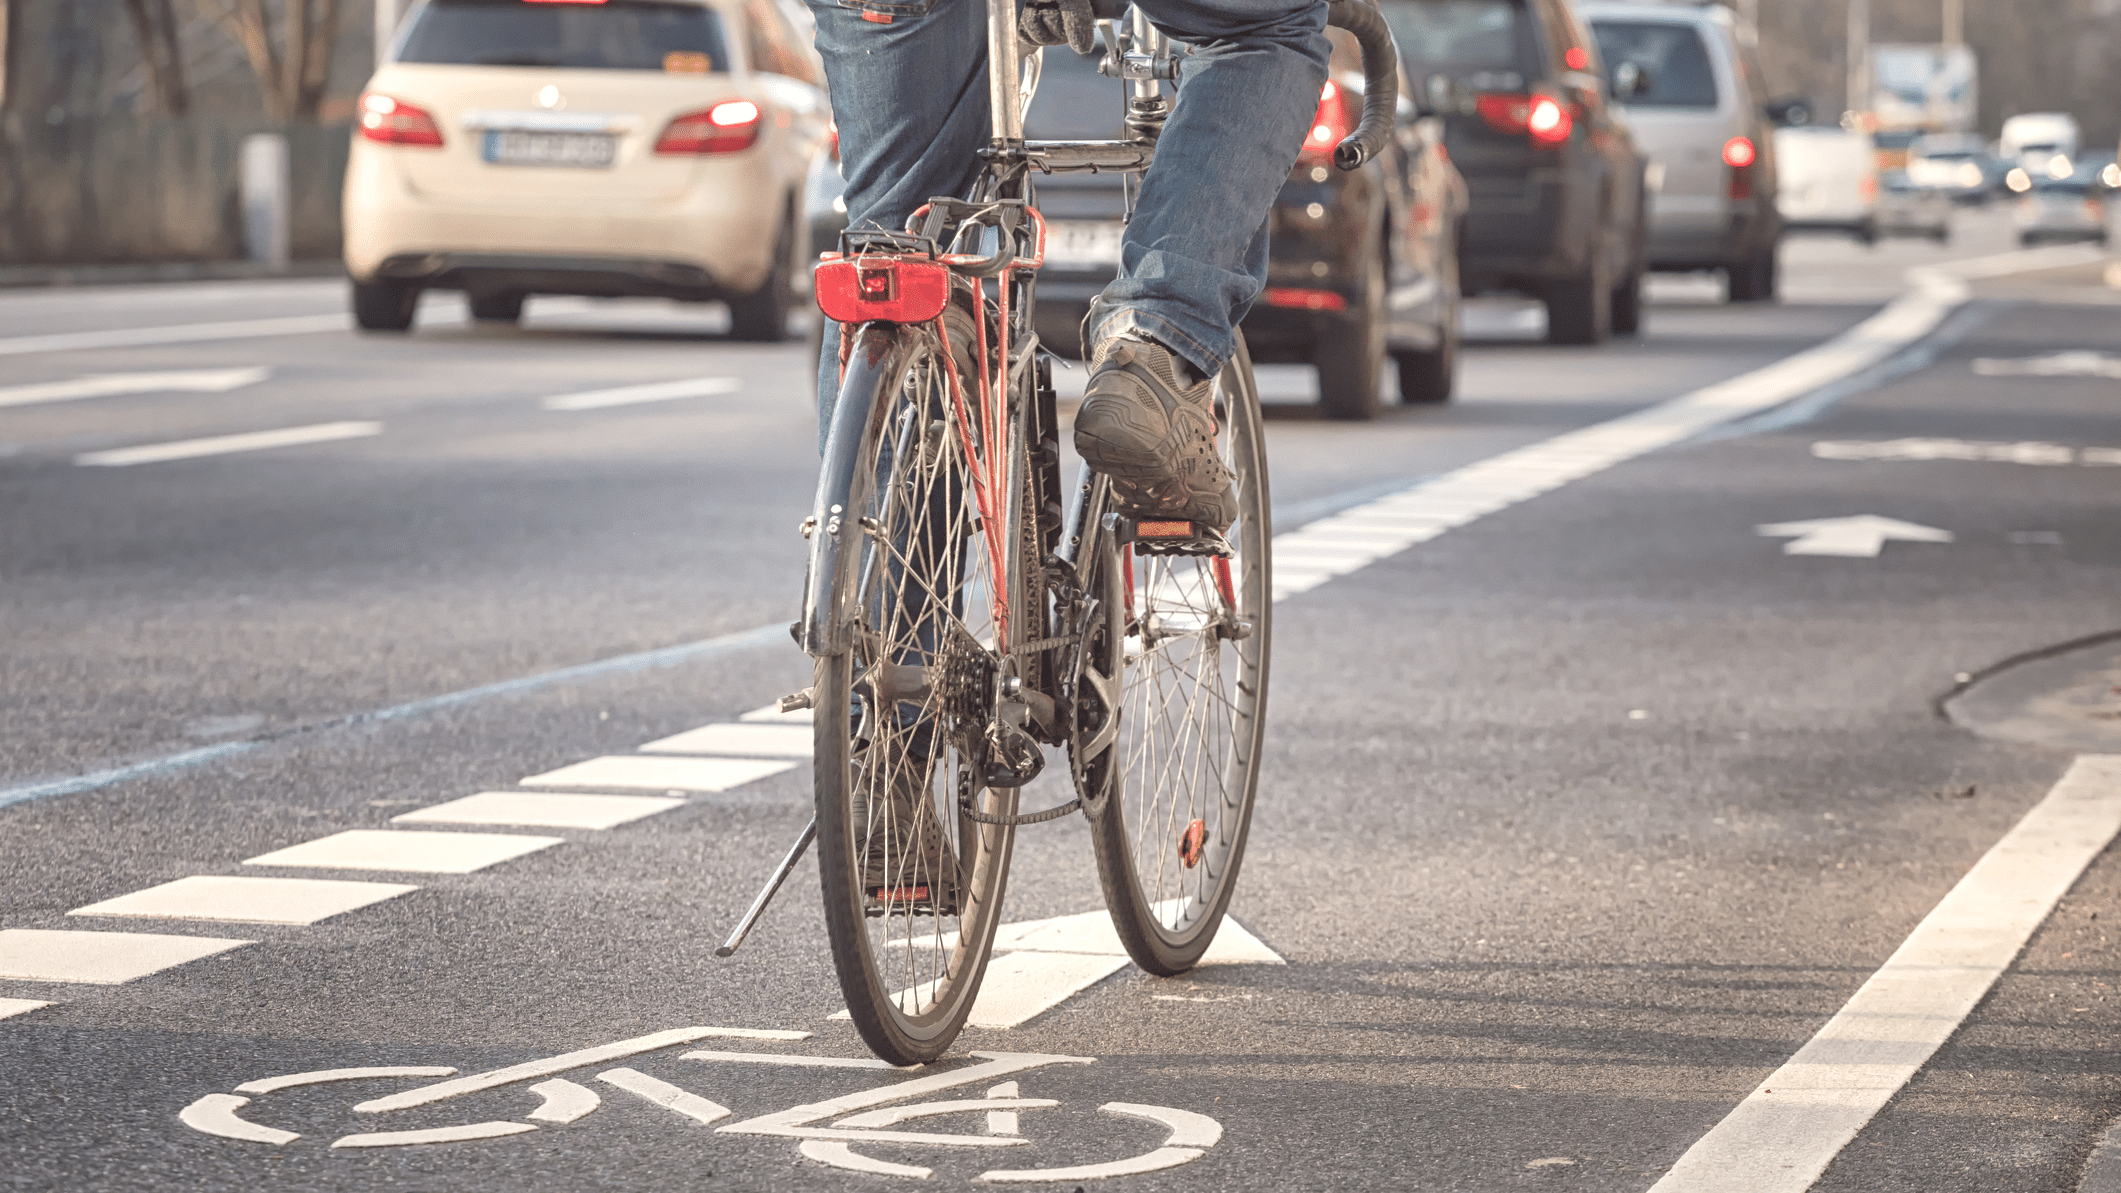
(1556,180)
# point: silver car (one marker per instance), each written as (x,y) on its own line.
(1689,78)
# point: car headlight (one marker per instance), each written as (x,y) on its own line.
(2018,180)
(1969,174)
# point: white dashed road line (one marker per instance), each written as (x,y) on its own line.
(183,333)
(19,1006)
(248,900)
(660,774)
(793,740)
(634,395)
(408,851)
(107,385)
(1785,1133)
(542,810)
(99,958)
(221,445)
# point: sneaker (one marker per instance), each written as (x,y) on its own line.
(908,866)
(1150,428)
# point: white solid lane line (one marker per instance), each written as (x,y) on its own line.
(1786,1132)
(410,852)
(99,958)
(221,445)
(248,900)
(542,810)
(20,1006)
(107,385)
(183,333)
(633,395)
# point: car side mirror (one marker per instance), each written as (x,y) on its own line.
(1789,112)
(1631,79)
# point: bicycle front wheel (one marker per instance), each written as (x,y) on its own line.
(1171,710)
(912,886)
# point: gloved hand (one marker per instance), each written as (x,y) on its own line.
(1059,22)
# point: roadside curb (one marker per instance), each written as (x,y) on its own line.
(2102,1173)
(34,276)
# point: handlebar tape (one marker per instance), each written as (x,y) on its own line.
(1380,69)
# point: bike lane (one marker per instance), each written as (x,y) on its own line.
(1392,867)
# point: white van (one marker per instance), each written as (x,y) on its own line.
(2033,139)
(1828,180)
(1689,79)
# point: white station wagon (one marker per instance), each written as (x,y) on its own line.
(594,147)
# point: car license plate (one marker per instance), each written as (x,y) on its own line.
(1078,244)
(525,147)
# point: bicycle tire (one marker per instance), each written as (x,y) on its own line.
(1158,777)
(916,594)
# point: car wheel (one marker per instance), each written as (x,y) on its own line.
(1428,377)
(761,316)
(1867,234)
(1351,352)
(1752,280)
(386,304)
(1627,304)
(1580,309)
(500,306)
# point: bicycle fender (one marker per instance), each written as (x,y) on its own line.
(824,630)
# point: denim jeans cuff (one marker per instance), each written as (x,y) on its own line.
(1170,333)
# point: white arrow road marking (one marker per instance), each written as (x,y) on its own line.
(1860,536)
(564,1101)
(633,395)
(1191,1136)
(666,1095)
(1785,1133)
(106,385)
(221,445)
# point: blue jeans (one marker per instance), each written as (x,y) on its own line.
(911,101)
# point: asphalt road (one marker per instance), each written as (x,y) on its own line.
(1577,822)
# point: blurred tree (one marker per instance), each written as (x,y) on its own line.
(8,13)
(289,44)
(162,50)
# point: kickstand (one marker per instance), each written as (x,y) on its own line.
(773,886)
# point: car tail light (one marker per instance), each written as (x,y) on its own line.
(2094,207)
(1546,121)
(1303,299)
(726,127)
(1332,124)
(394,122)
(1868,187)
(832,140)
(1738,153)
(1577,58)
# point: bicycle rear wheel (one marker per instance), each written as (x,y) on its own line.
(1171,710)
(912,887)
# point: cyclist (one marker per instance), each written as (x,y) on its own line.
(909,90)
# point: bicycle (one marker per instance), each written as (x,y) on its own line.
(961,618)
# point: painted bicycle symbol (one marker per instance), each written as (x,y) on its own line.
(825,1132)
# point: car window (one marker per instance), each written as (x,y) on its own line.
(613,35)
(1672,55)
(1487,44)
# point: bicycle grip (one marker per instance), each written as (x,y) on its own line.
(1380,70)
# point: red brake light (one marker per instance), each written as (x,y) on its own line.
(1738,153)
(1303,299)
(726,127)
(832,140)
(860,289)
(394,122)
(1577,58)
(1541,117)
(1548,123)
(1331,126)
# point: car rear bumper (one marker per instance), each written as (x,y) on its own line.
(535,273)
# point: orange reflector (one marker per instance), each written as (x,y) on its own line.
(881,18)
(1164,530)
(902,894)
(1192,843)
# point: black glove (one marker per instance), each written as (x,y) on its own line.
(1059,22)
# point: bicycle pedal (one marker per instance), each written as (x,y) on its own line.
(1168,536)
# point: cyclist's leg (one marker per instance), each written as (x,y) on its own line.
(910,97)
(1195,255)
